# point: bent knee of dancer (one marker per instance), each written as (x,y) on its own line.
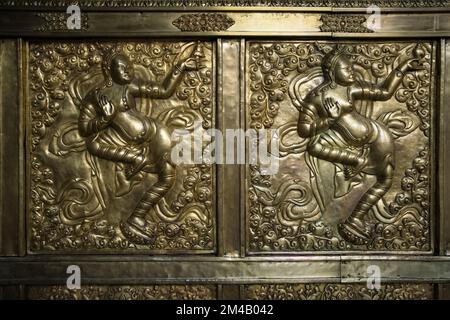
(384,183)
(94,148)
(167,174)
(387,174)
(315,149)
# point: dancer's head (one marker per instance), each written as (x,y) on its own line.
(338,68)
(118,68)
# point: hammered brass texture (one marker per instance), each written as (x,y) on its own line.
(338,291)
(102,292)
(100,116)
(360,102)
(356,141)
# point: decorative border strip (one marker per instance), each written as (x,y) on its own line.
(228,3)
(57,21)
(343,23)
(130,292)
(339,291)
(197,22)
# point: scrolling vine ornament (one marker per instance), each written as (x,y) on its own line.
(338,291)
(203,22)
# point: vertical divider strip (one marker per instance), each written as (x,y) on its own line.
(242,121)
(10,145)
(444,150)
(219,171)
(23,101)
(228,103)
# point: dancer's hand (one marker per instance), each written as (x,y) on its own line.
(332,107)
(107,107)
(414,65)
(195,60)
(191,64)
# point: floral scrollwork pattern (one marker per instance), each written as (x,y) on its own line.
(227,3)
(57,21)
(338,291)
(203,22)
(343,23)
(151,292)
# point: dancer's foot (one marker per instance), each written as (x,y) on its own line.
(138,230)
(354,231)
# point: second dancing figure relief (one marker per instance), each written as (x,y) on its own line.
(345,139)
(340,134)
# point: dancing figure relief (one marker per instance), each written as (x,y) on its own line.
(115,130)
(103,114)
(361,144)
(346,115)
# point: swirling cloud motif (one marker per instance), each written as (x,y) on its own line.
(292,203)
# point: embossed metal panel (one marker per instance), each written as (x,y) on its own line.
(355,108)
(355,127)
(96,175)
